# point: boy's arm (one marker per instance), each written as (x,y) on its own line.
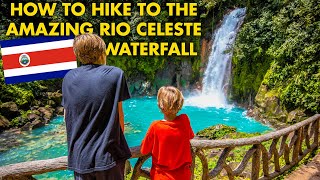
(121,116)
(191,133)
(147,142)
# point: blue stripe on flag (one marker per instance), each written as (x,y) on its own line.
(32,40)
(35,77)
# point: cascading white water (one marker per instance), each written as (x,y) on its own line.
(217,74)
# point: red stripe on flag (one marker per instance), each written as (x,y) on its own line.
(40,58)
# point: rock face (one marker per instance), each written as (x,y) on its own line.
(185,78)
(175,74)
(268,103)
(182,73)
(269,110)
(168,76)
(35,119)
(206,47)
(267,106)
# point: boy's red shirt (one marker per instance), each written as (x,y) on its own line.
(169,144)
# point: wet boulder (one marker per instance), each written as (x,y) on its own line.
(26,127)
(4,123)
(295,116)
(33,116)
(59,111)
(9,110)
(37,123)
(46,113)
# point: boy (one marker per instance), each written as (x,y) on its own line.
(92,96)
(168,140)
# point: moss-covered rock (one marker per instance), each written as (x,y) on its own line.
(4,123)
(216,132)
(19,121)
(37,123)
(261,95)
(268,105)
(9,110)
(26,127)
(46,113)
(56,97)
(295,116)
(59,111)
(32,116)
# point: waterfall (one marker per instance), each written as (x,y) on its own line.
(217,74)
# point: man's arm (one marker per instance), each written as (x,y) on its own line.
(121,116)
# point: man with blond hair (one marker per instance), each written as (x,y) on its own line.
(92,98)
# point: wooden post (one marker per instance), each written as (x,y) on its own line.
(256,162)
(306,135)
(296,146)
(316,132)
(265,161)
(204,162)
(137,168)
(276,155)
(229,172)
(193,164)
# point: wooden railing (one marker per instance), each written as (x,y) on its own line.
(268,155)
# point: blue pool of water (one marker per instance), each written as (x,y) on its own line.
(50,141)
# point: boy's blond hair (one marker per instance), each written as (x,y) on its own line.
(170,99)
(89,48)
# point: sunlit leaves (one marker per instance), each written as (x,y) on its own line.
(290,39)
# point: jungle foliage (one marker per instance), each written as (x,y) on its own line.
(280,48)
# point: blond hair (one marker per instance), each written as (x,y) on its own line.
(89,48)
(170,99)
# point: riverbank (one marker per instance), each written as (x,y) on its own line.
(14,137)
(31,114)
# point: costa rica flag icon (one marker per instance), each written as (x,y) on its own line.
(37,58)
